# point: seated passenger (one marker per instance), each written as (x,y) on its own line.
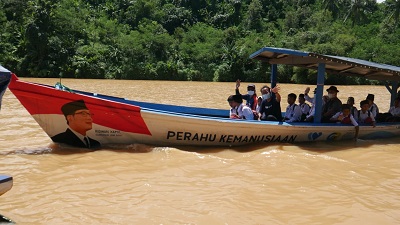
(238,110)
(364,116)
(270,108)
(353,109)
(293,111)
(333,105)
(265,90)
(345,117)
(307,97)
(304,107)
(310,116)
(250,97)
(394,112)
(259,100)
(372,106)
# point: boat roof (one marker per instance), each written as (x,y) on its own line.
(333,64)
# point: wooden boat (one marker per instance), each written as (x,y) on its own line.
(6,183)
(121,121)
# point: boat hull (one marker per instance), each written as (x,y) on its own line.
(117,121)
(6,183)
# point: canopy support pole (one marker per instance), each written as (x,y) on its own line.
(274,76)
(319,93)
(393,91)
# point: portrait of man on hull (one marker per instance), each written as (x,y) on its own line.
(79,121)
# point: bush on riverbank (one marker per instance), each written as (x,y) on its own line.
(190,40)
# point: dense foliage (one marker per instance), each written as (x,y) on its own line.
(206,40)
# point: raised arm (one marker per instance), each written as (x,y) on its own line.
(237,87)
(307,97)
(275,90)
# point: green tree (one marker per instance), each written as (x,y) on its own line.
(333,6)
(200,49)
(189,40)
(38,32)
(174,17)
(358,10)
(393,7)
(254,16)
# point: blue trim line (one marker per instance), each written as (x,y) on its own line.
(5,178)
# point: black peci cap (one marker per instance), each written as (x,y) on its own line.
(370,97)
(71,107)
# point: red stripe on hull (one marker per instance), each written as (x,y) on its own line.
(39,99)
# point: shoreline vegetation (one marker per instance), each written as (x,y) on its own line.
(204,40)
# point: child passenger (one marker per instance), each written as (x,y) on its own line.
(364,116)
(353,109)
(305,108)
(394,111)
(238,110)
(372,106)
(293,111)
(345,117)
(259,100)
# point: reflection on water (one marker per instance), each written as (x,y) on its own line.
(311,183)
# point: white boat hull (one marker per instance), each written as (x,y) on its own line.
(120,121)
(6,183)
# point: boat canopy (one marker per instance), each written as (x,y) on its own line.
(329,64)
(333,64)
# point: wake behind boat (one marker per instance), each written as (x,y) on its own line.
(85,119)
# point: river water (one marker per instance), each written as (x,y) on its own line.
(312,183)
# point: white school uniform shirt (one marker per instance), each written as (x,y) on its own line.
(309,99)
(361,116)
(353,111)
(395,111)
(305,108)
(312,100)
(353,121)
(293,113)
(374,109)
(243,111)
